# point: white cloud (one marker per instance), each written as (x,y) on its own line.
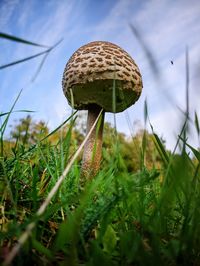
(7,9)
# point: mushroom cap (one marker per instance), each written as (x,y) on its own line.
(97,69)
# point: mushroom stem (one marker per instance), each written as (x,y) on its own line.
(92,149)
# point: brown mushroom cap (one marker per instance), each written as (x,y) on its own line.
(94,70)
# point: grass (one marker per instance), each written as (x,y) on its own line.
(118,218)
(148,217)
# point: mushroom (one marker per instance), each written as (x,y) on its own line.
(91,75)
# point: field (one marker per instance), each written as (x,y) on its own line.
(147,215)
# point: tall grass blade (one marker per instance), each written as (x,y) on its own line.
(145,48)
(40,67)
(187,76)
(161,149)
(196,120)
(195,151)
(23,60)
(145,112)
(33,147)
(187,92)
(3,126)
(41,248)
(17,111)
(152,62)
(56,129)
(43,61)
(30,57)
(17,39)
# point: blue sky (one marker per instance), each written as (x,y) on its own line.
(167,27)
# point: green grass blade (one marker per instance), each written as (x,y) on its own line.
(56,129)
(17,111)
(40,67)
(3,126)
(145,112)
(23,60)
(41,248)
(195,152)
(145,48)
(43,61)
(197,123)
(17,39)
(35,146)
(160,147)
(30,57)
